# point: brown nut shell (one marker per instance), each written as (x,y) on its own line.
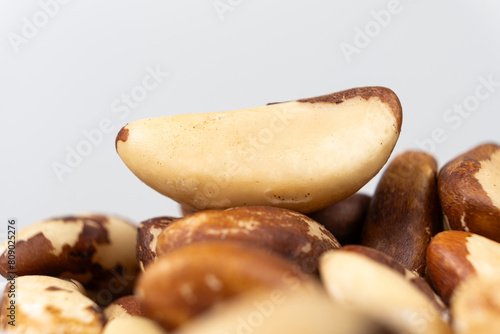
(469,189)
(405,213)
(453,256)
(188,281)
(147,238)
(345,218)
(36,304)
(288,233)
(96,250)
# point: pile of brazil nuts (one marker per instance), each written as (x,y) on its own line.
(274,236)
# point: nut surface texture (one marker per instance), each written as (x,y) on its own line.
(147,238)
(285,232)
(405,213)
(469,189)
(302,155)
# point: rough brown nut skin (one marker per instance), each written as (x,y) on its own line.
(188,281)
(288,233)
(404,212)
(147,238)
(453,256)
(469,189)
(125,306)
(345,219)
(96,250)
(48,305)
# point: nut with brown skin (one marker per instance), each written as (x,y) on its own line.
(453,256)
(405,213)
(345,218)
(285,232)
(475,306)
(469,189)
(96,250)
(190,280)
(125,306)
(301,155)
(375,284)
(44,304)
(147,238)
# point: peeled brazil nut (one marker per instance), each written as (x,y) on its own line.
(285,232)
(188,281)
(475,306)
(375,284)
(96,250)
(44,304)
(125,306)
(469,189)
(147,238)
(133,324)
(405,213)
(292,311)
(302,155)
(345,219)
(453,256)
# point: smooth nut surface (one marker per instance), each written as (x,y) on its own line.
(345,218)
(184,283)
(452,256)
(133,325)
(45,304)
(469,189)
(125,306)
(374,284)
(147,238)
(475,306)
(302,155)
(96,250)
(405,213)
(292,311)
(287,233)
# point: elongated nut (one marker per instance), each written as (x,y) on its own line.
(188,281)
(345,218)
(292,311)
(42,304)
(452,256)
(321,150)
(469,189)
(147,238)
(405,213)
(288,233)
(475,306)
(375,284)
(125,306)
(96,250)
(133,325)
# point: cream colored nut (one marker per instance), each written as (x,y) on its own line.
(344,219)
(469,189)
(96,250)
(405,213)
(288,233)
(302,155)
(147,238)
(475,306)
(452,256)
(188,281)
(291,311)
(125,306)
(133,325)
(374,284)
(44,304)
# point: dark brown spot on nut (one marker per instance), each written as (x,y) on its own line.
(122,135)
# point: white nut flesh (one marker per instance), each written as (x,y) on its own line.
(302,155)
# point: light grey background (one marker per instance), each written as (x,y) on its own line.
(66,65)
